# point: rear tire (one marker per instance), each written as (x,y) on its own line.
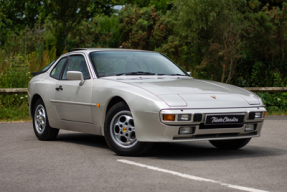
(120,132)
(232,144)
(41,125)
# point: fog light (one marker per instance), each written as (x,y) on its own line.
(250,127)
(186,130)
(167,117)
(258,115)
(185,117)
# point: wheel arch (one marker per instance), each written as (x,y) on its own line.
(33,101)
(114,101)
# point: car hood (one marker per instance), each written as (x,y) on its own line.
(195,93)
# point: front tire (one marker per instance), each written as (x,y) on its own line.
(41,125)
(120,132)
(231,144)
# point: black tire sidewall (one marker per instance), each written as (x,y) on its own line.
(45,135)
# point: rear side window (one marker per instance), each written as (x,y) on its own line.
(48,66)
(56,72)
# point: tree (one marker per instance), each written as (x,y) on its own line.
(143,28)
(16,15)
(64,16)
(160,5)
(210,32)
(101,31)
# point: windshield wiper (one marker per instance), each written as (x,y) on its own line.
(136,73)
(173,74)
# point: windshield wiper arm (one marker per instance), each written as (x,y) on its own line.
(136,73)
(173,74)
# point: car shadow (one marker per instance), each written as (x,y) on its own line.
(198,151)
(83,139)
(195,151)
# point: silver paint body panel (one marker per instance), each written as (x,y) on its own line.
(148,97)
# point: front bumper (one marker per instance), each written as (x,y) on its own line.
(150,127)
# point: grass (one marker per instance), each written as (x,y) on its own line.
(14,108)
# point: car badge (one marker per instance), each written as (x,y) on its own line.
(213,96)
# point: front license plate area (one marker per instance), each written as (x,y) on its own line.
(224,119)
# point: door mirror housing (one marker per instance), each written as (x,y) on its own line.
(189,73)
(76,75)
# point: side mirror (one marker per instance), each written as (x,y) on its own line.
(75,75)
(189,73)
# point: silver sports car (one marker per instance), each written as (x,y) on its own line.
(135,98)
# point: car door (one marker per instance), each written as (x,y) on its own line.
(72,100)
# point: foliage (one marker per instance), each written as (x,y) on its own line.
(15,15)
(26,41)
(242,42)
(161,5)
(14,107)
(143,28)
(274,101)
(16,72)
(64,16)
(102,31)
(209,32)
(265,49)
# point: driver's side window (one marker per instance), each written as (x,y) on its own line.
(77,63)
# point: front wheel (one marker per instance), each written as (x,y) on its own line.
(120,132)
(231,144)
(41,125)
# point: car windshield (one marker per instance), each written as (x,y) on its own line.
(116,63)
(48,66)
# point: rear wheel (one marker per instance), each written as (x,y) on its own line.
(120,132)
(41,126)
(232,144)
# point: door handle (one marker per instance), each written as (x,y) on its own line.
(59,88)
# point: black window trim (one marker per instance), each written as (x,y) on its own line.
(64,66)
(40,72)
(67,58)
(98,76)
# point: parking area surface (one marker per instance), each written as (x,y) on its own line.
(83,162)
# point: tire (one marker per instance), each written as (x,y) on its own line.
(232,144)
(120,132)
(41,125)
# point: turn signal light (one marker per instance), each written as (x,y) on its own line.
(264,113)
(167,117)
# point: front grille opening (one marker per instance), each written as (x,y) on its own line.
(197,117)
(217,135)
(220,135)
(202,126)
